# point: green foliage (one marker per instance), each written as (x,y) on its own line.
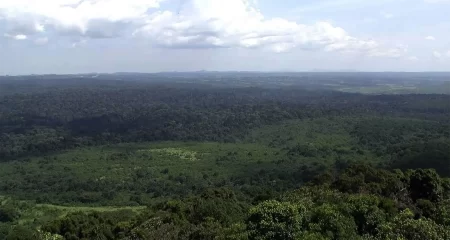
(65,118)
(426,207)
(362,178)
(48,236)
(425,184)
(89,226)
(275,220)
(125,175)
(311,212)
(223,163)
(311,236)
(4,230)
(218,204)
(332,223)
(442,213)
(268,162)
(22,233)
(366,213)
(404,226)
(8,214)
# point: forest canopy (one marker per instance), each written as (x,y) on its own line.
(175,158)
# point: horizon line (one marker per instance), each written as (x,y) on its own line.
(212,71)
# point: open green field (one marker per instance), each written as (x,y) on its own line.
(383,89)
(34,215)
(398,88)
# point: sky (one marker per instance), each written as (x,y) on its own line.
(80,36)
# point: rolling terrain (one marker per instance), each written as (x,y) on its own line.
(211,159)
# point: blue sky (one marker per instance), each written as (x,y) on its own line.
(74,36)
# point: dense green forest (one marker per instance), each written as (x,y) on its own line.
(110,159)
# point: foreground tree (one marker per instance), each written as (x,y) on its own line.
(275,220)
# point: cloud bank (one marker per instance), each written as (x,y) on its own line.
(196,24)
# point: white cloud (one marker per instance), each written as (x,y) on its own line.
(437,55)
(93,18)
(430,38)
(413,58)
(210,23)
(20,37)
(440,55)
(197,24)
(16,37)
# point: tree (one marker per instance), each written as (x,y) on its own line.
(275,220)
(404,226)
(425,184)
(366,214)
(332,223)
(22,233)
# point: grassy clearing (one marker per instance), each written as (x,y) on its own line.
(39,213)
(67,210)
(382,89)
(183,154)
(35,215)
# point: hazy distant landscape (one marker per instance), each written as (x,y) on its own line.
(353,82)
